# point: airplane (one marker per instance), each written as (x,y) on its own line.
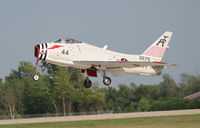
(93,60)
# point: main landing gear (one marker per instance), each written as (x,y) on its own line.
(106,80)
(87,83)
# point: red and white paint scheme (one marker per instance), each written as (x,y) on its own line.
(93,60)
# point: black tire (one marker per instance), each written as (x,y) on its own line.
(107,81)
(87,83)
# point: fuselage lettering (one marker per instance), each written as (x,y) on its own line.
(65,52)
(144,58)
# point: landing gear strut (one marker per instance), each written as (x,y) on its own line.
(106,80)
(93,72)
(36,76)
(87,83)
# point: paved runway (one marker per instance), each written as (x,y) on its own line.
(100,116)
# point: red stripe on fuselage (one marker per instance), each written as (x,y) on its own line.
(55,46)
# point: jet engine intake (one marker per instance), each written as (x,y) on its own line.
(37,51)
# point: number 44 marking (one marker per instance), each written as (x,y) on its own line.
(65,52)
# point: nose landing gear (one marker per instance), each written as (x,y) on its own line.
(36,76)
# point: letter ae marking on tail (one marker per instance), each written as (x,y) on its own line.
(162,41)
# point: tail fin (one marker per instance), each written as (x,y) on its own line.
(158,48)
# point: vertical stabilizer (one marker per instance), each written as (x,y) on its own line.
(158,48)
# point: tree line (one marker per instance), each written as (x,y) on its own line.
(60,90)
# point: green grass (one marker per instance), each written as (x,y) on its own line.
(187,121)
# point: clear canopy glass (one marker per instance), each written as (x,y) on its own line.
(68,41)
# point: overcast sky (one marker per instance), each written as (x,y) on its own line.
(127,26)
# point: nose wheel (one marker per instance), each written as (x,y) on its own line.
(36,77)
(87,83)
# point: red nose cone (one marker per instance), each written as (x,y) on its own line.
(37,51)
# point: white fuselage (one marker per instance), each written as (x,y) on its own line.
(66,54)
(92,60)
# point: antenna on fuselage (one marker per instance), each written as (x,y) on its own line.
(105,47)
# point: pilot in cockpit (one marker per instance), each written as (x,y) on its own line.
(68,40)
(71,41)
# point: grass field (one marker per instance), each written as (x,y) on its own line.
(186,121)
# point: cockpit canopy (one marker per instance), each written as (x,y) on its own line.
(67,41)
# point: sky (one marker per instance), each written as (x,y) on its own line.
(127,26)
